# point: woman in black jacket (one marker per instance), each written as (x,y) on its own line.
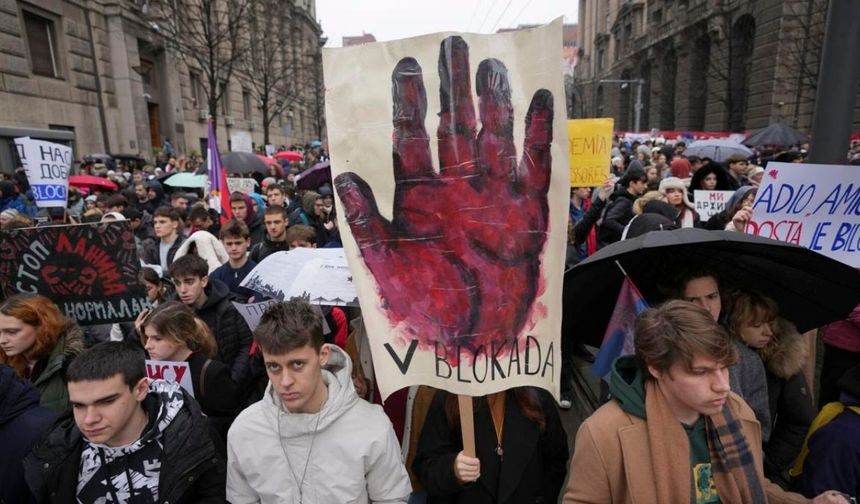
(519,440)
(171,332)
(754,320)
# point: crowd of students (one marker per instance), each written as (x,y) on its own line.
(712,407)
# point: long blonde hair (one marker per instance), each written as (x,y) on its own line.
(178,322)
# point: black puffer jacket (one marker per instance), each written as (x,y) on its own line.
(267,247)
(618,214)
(193,462)
(232,334)
(22,422)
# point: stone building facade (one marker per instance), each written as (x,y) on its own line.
(98,69)
(703,65)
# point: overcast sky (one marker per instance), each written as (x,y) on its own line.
(395,19)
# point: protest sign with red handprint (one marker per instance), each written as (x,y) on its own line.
(460,274)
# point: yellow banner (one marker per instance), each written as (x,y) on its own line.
(590,142)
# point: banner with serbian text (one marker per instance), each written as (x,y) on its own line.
(450,159)
(47,165)
(590,146)
(710,203)
(89,270)
(814,206)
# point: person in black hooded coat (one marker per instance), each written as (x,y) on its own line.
(698,182)
(22,422)
(213,305)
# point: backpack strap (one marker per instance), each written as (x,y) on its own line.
(828,413)
(202,380)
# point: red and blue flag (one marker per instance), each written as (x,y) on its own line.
(618,339)
(219,195)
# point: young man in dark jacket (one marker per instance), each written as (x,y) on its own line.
(167,225)
(275,240)
(22,422)
(211,300)
(236,239)
(620,209)
(127,439)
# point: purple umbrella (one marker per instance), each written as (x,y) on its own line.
(315,176)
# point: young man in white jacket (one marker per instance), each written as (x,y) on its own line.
(310,439)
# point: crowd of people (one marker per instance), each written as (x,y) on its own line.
(713,406)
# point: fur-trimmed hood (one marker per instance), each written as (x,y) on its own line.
(785,355)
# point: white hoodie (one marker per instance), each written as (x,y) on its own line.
(355,457)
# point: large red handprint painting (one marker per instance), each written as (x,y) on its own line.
(459,267)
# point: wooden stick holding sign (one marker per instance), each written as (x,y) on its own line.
(467,424)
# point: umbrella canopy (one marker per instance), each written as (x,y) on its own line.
(289,155)
(242,162)
(810,289)
(186,179)
(314,143)
(776,134)
(320,276)
(90,182)
(314,176)
(97,158)
(717,149)
(266,159)
(270,161)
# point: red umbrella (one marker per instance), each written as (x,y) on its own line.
(266,159)
(272,162)
(92,182)
(289,155)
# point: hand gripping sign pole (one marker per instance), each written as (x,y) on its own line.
(467,424)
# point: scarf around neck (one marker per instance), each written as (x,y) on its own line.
(736,477)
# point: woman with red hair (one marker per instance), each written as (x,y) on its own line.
(39,342)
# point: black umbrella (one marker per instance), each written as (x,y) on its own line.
(811,289)
(243,162)
(776,134)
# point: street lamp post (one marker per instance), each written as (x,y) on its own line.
(637,107)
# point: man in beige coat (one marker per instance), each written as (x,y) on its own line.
(673,431)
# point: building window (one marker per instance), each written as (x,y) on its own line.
(246,104)
(225,99)
(147,72)
(43,46)
(194,77)
(601,59)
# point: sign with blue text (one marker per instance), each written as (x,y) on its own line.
(47,165)
(814,206)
